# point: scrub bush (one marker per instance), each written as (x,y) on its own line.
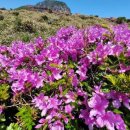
(1,17)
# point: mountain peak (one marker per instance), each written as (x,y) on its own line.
(53,5)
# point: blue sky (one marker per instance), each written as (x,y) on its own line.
(103,8)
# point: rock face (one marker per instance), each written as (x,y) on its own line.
(49,5)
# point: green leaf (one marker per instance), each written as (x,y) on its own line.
(4,94)
(117,111)
(112,79)
(13,126)
(45,127)
(2,126)
(2,118)
(26,117)
(120,82)
(65,91)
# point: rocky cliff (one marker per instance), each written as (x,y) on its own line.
(49,5)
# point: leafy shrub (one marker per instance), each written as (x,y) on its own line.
(4,94)
(44,17)
(15,13)
(91,17)
(121,20)
(25,38)
(61,20)
(26,117)
(17,24)
(26,26)
(3,26)
(1,17)
(128,20)
(96,16)
(77,79)
(5,40)
(51,21)
(2,121)
(2,8)
(82,16)
(14,126)
(120,81)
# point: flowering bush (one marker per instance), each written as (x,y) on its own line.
(77,79)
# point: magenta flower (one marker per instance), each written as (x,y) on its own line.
(56,74)
(116,103)
(84,114)
(95,33)
(1,109)
(118,98)
(18,86)
(124,68)
(98,104)
(68,109)
(120,124)
(41,102)
(57,125)
(117,49)
(54,103)
(82,70)
(4,61)
(70,97)
(42,122)
(53,53)
(73,77)
(40,59)
(110,120)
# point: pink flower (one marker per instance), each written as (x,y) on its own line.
(18,86)
(40,59)
(74,78)
(70,97)
(1,109)
(110,120)
(120,124)
(41,102)
(98,103)
(54,103)
(84,114)
(42,122)
(117,49)
(118,98)
(57,125)
(124,68)
(82,70)
(68,109)
(56,74)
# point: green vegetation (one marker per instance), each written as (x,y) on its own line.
(15,13)
(25,25)
(121,20)
(25,115)
(1,17)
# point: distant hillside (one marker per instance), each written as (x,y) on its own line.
(50,5)
(25,25)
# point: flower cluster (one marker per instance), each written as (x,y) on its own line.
(97,111)
(55,109)
(68,78)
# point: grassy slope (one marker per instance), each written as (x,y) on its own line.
(29,24)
